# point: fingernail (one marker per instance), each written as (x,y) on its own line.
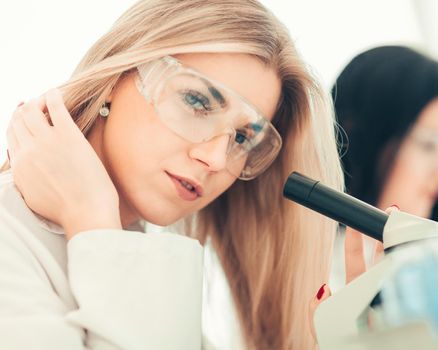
(395,206)
(320,292)
(20,104)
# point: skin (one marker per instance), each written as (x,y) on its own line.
(124,141)
(412,183)
(119,174)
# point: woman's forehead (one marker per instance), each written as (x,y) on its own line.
(243,74)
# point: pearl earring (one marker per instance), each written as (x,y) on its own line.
(104,110)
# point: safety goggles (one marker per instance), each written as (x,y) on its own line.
(199,109)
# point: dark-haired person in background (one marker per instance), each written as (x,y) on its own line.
(386,100)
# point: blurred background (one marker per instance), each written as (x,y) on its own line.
(42,41)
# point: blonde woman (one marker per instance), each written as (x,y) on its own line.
(187,112)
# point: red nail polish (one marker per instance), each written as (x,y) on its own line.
(396,206)
(20,104)
(320,292)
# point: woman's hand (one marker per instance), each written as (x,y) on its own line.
(57,171)
(354,251)
(354,264)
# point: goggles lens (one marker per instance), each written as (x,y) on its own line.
(199,109)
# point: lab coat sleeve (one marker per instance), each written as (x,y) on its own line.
(133,290)
(139,291)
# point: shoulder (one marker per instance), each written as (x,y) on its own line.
(15,235)
(16,245)
(11,200)
(6,181)
(20,224)
(11,205)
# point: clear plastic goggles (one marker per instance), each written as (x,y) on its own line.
(199,109)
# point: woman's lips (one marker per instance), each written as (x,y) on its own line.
(182,190)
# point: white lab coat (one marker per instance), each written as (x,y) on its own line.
(104,289)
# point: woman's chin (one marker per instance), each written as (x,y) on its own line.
(162,219)
(159,212)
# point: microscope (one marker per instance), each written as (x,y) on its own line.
(393,305)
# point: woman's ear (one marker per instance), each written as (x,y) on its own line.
(109,98)
(122,76)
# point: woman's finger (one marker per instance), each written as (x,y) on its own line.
(354,254)
(22,133)
(34,119)
(322,294)
(378,249)
(378,252)
(390,209)
(57,110)
(13,144)
(41,103)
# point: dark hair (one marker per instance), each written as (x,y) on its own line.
(378,97)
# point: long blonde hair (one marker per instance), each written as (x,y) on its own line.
(275,254)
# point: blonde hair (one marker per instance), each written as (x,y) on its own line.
(275,253)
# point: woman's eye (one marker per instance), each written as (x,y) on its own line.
(196,101)
(244,138)
(240,138)
(429,146)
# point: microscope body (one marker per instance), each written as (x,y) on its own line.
(338,319)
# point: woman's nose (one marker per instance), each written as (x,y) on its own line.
(212,153)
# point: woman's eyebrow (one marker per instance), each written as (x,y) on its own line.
(216,94)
